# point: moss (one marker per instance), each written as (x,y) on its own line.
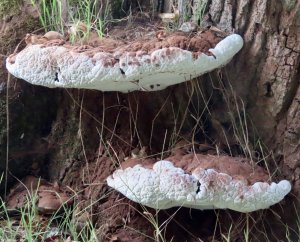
(8,7)
(289,5)
(31,24)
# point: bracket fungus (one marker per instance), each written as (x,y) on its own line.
(147,65)
(200,182)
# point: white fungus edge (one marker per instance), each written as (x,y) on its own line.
(167,186)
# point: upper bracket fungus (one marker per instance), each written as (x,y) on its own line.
(147,65)
(201,182)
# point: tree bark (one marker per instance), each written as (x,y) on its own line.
(266,72)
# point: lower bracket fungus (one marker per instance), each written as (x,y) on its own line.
(200,182)
(147,65)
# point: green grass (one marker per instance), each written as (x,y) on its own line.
(26,224)
(199,10)
(32,227)
(50,14)
(85,12)
(79,13)
(192,11)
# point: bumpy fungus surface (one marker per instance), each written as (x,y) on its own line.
(149,65)
(165,185)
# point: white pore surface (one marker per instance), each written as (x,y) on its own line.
(166,186)
(57,66)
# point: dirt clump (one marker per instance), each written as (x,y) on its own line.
(49,197)
(122,219)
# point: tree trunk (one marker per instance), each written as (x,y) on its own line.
(266,72)
(261,81)
(90,132)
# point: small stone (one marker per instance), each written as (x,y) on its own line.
(188,27)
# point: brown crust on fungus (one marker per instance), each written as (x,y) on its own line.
(197,43)
(145,162)
(237,167)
